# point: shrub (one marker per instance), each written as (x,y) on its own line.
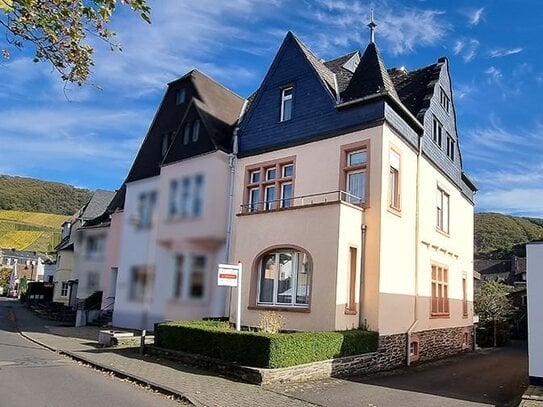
(260,349)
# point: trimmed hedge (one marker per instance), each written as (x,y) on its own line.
(258,349)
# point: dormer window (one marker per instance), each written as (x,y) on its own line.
(180,96)
(286,103)
(195,130)
(444,100)
(166,140)
(186,134)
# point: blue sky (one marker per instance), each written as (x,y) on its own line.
(88,136)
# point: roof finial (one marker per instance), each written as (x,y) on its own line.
(372,26)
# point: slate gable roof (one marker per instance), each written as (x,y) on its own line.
(343,75)
(370,78)
(415,88)
(218,100)
(97,205)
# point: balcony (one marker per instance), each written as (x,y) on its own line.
(304,201)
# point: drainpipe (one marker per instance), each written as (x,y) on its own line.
(362,275)
(417,238)
(232,159)
(232,164)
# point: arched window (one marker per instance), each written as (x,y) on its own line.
(284,278)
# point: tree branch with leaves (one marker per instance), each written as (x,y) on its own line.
(59,30)
(492,304)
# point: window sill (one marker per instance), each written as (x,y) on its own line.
(395,211)
(442,232)
(440,316)
(279,308)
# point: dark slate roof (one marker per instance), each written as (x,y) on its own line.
(370,78)
(343,75)
(18,254)
(322,70)
(97,205)
(219,110)
(415,88)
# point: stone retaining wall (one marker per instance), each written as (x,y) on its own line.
(391,353)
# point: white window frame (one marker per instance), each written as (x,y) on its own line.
(64,289)
(443,210)
(295,256)
(437,131)
(450,146)
(286,98)
(444,100)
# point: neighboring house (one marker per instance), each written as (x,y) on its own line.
(175,210)
(354,210)
(24,264)
(80,252)
(534,280)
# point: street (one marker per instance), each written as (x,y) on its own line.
(33,376)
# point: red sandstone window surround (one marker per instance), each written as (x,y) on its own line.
(269,185)
(440,294)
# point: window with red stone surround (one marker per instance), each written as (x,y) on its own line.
(440,294)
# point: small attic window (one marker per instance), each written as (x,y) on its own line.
(286,103)
(195,130)
(444,100)
(166,141)
(180,96)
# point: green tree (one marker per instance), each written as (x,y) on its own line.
(493,306)
(58,30)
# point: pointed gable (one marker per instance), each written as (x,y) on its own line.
(219,102)
(370,78)
(314,111)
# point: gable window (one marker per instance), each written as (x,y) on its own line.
(450,147)
(265,190)
(186,133)
(444,100)
(354,163)
(286,103)
(180,96)
(394,180)
(165,144)
(440,295)
(437,131)
(145,209)
(195,130)
(442,210)
(186,197)
(190,273)
(284,279)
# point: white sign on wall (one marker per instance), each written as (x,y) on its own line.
(228,275)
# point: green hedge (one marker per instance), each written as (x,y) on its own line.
(258,349)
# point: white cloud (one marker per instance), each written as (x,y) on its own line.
(502,52)
(458,47)
(476,16)
(470,50)
(495,75)
(515,201)
(400,29)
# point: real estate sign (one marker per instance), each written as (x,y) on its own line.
(228,275)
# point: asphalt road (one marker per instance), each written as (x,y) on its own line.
(33,376)
(494,377)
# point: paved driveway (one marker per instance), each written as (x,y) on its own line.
(495,377)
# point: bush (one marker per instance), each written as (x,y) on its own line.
(259,349)
(485,334)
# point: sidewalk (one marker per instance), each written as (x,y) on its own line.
(470,380)
(199,387)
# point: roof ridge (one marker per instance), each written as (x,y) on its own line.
(216,83)
(323,71)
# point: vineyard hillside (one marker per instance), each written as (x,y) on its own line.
(33,231)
